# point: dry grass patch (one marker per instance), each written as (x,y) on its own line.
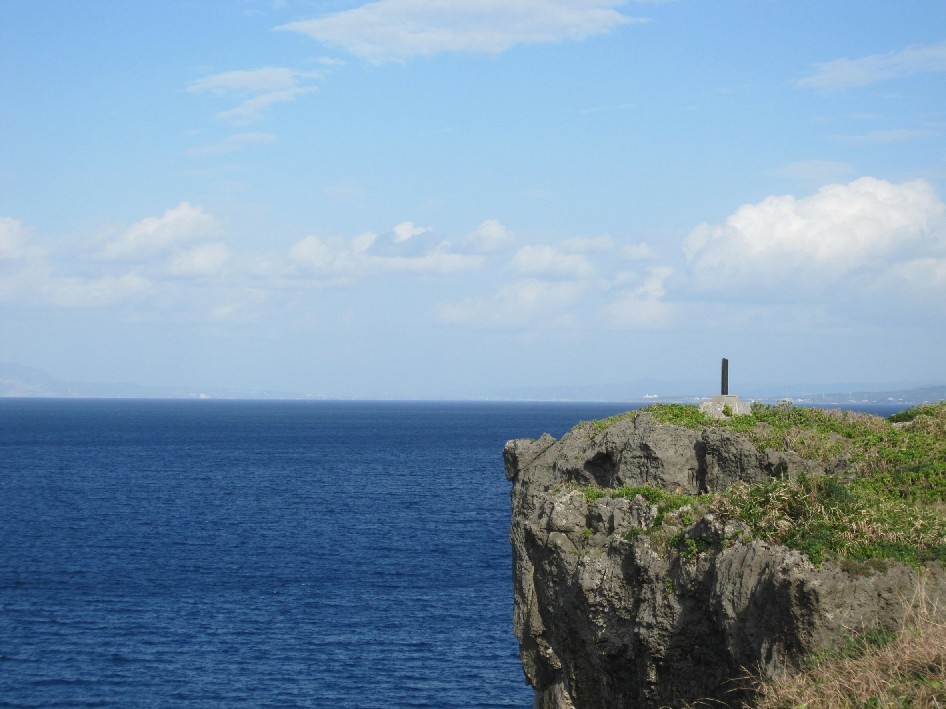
(907,669)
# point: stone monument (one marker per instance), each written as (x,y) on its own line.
(725,404)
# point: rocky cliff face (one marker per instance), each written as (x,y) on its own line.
(609,613)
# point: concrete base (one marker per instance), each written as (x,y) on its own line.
(715,408)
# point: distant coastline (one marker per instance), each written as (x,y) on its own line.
(17,381)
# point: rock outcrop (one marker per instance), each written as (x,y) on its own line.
(608,614)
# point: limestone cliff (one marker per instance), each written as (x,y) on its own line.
(610,613)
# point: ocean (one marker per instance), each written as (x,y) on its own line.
(259,553)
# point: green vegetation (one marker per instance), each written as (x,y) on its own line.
(604,424)
(824,517)
(876,669)
(852,647)
(889,502)
(691,548)
(665,501)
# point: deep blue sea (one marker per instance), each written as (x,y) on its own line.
(221,553)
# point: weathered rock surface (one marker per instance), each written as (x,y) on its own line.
(608,615)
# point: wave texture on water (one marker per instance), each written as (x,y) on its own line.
(208,553)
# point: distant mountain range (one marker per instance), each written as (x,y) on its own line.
(19,381)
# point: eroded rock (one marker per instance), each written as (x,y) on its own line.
(609,614)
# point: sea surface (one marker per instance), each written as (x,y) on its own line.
(224,553)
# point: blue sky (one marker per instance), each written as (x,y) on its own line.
(408,198)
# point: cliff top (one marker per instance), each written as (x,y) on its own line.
(882,496)
(663,558)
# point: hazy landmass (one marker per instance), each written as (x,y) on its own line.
(25,382)
(20,381)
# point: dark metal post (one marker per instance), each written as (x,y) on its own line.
(724,389)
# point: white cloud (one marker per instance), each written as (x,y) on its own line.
(38,284)
(406,230)
(642,306)
(251,110)
(38,275)
(489,236)
(789,244)
(247,82)
(200,262)
(921,277)
(398,30)
(540,260)
(259,89)
(341,259)
(532,297)
(154,236)
(638,252)
(14,240)
(843,74)
(331,256)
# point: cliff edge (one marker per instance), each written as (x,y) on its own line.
(647,572)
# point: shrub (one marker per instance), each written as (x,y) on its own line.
(890,503)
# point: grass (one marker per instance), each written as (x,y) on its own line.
(600,425)
(904,669)
(664,501)
(889,502)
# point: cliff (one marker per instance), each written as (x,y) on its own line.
(638,580)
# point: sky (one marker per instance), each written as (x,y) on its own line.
(473,198)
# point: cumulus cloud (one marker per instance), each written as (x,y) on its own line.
(785,243)
(846,73)
(74,274)
(14,240)
(38,283)
(536,260)
(341,259)
(921,276)
(642,307)
(330,256)
(202,261)
(398,30)
(258,88)
(638,252)
(406,230)
(154,236)
(489,236)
